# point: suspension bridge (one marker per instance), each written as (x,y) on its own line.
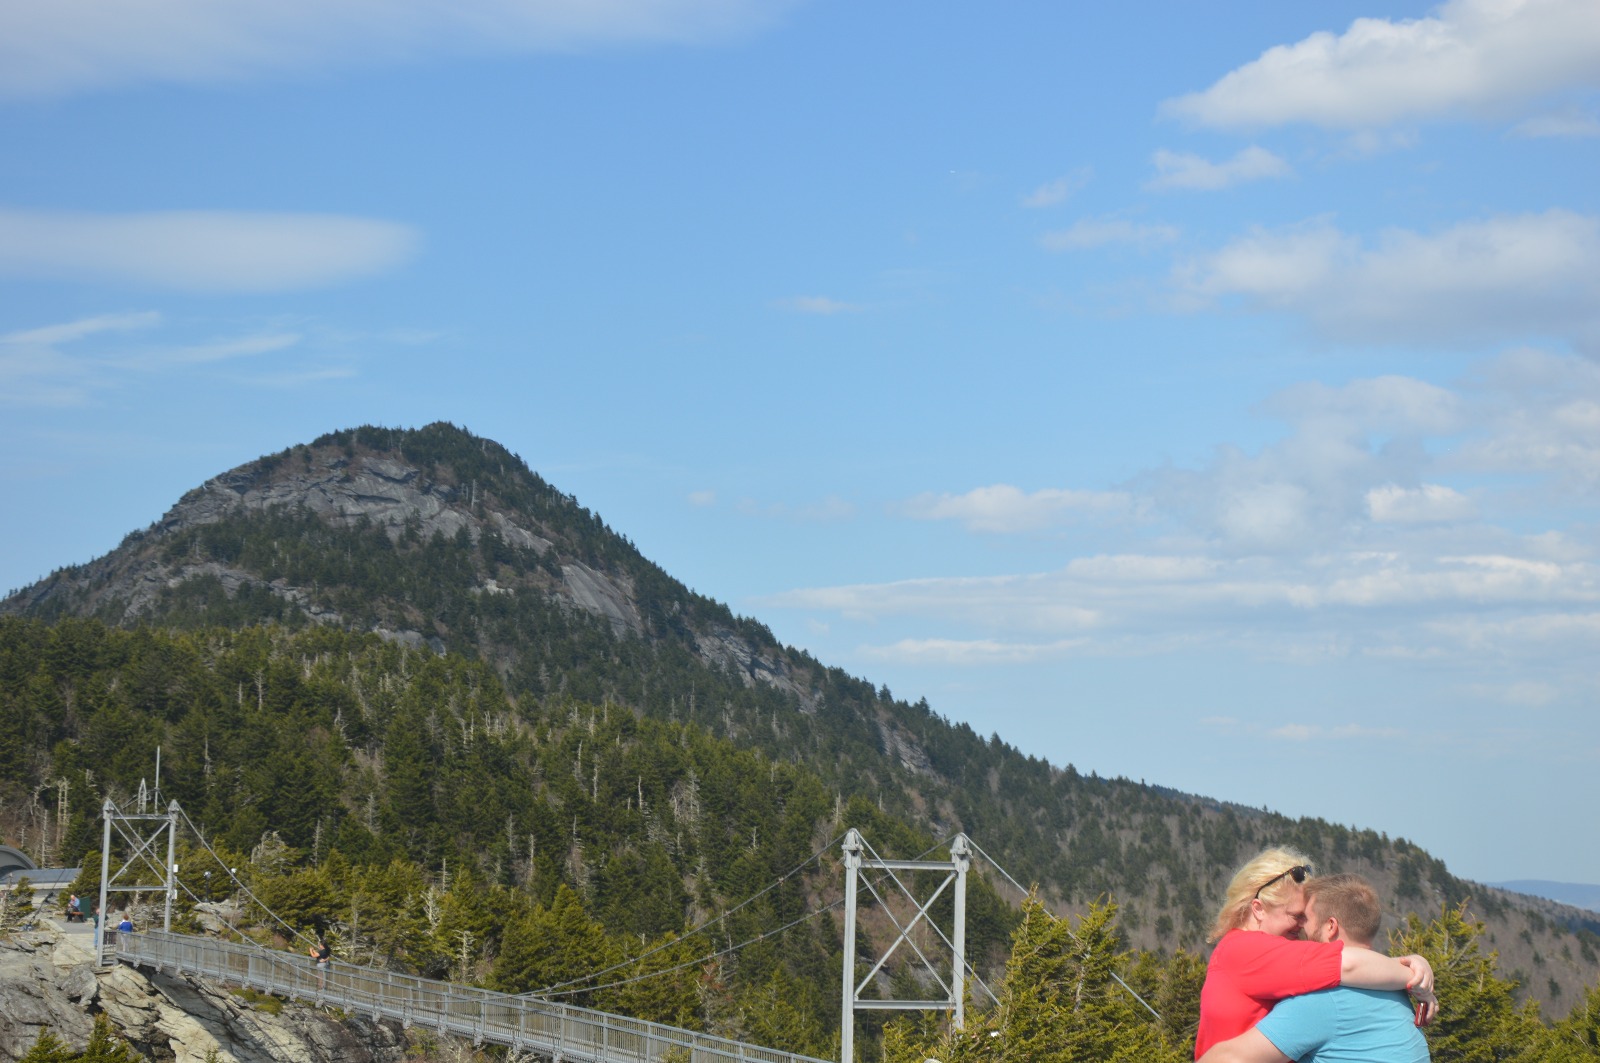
(531,1022)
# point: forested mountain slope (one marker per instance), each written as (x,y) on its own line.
(437,542)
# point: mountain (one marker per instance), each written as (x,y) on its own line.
(437,541)
(1575,894)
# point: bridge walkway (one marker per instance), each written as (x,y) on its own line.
(561,1031)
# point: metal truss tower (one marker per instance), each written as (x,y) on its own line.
(955,870)
(141,831)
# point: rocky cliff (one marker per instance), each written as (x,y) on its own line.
(48,981)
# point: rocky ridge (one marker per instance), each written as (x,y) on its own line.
(346,486)
(48,981)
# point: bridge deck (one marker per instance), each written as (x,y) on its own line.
(561,1031)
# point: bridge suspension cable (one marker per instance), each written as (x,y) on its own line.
(690,963)
(234,877)
(560,990)
(995,864)
(554,990)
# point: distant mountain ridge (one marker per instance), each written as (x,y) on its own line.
(440,539)
(1577,894)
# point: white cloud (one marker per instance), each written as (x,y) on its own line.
(76,363)
(1391,504)
(291,381)
(1090,233)
(1505,277)
(1529,694)
(1057,191)
(34,372)
(1004,508)
(1394,519)
(702,499)
(1392,405)
(1183,171)
(1470,56)
(977,652)
(1308,732)
(1568,122)
(77,330)
(816,304)
(1286,608)
(1539,414)
(156,359)
(1019,603)
(72,45)
(201,251)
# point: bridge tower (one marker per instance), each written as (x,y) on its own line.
(955,870)
(139,873)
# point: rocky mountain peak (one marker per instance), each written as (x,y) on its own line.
(431,537)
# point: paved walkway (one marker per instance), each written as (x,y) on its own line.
(74,942)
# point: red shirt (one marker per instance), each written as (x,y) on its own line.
(1250,971)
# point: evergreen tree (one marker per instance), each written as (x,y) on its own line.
(1576,1039)
(1059,1002)
(106,1047)
(1479,1020)
(48,1048)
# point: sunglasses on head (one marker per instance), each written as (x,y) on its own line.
(1298,872)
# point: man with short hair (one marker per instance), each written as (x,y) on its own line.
(1340,1025)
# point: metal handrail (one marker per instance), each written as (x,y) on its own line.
(562,1031)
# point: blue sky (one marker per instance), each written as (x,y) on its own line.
(1208,394)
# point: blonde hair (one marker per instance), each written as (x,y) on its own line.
(1265,874)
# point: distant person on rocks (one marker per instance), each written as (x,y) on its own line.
(74,909)
(321,954)
(1261,956)
(1341,1025)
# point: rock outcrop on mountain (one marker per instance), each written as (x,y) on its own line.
(462,520)
(48,981)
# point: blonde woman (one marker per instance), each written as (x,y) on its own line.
(1260,957)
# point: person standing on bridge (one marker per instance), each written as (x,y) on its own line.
(321,954)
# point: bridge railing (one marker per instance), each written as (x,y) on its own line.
(560,1030)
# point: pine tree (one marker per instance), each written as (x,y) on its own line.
(106,1047)
(1059,1003)
(1479,1020)
(1576,1039)
(48,1048)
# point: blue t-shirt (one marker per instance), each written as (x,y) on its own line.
(1346,1025)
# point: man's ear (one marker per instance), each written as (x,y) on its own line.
(1335,932)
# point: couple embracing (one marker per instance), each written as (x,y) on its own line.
(1293,975)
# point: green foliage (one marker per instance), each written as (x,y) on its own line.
(48,1048)
(261,1001)
(1059,1001)
(16,904)
(1479,1020)
(104,1047)
(1576,1039)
